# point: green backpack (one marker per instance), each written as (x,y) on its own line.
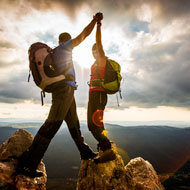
(112,77)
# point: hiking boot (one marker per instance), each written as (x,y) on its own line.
(107,156)
(85,151)
(28,172)
(89,155)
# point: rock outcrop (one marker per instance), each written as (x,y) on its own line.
(143,175)
(10,150)
(138,174)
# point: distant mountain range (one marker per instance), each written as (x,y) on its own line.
(178,124)
(166,148)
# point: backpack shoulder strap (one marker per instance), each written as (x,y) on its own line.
(42,97)
(96,70)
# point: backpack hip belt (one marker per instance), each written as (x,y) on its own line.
(95,83)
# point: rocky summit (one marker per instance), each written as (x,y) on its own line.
(10,151)
(138,174)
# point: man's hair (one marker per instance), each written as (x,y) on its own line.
(94,47)
(63,37)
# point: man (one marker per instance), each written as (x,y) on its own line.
(98,100)
(63,107)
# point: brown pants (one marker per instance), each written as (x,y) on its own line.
(63,108)
(96,105)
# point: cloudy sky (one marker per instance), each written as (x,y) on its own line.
(149,38)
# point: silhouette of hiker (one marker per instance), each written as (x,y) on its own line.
(98,100)
(63,108)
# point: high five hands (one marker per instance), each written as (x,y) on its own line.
(98,17)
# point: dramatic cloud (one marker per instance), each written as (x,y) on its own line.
(161,75)
(150,39)
(166,9)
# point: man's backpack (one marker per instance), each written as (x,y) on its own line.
(42,66)
(41,60)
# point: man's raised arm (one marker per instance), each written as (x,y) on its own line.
(87,30)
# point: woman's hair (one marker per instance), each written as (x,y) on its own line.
(63,37)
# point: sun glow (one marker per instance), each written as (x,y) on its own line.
(83,55)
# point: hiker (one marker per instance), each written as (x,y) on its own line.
(63,107)
(98,100)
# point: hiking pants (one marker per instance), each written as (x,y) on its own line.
(63,108)
(96,105)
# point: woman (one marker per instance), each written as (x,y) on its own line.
(98,101)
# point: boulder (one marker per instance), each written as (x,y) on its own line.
(138,174)
(10,151)
(142,175)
